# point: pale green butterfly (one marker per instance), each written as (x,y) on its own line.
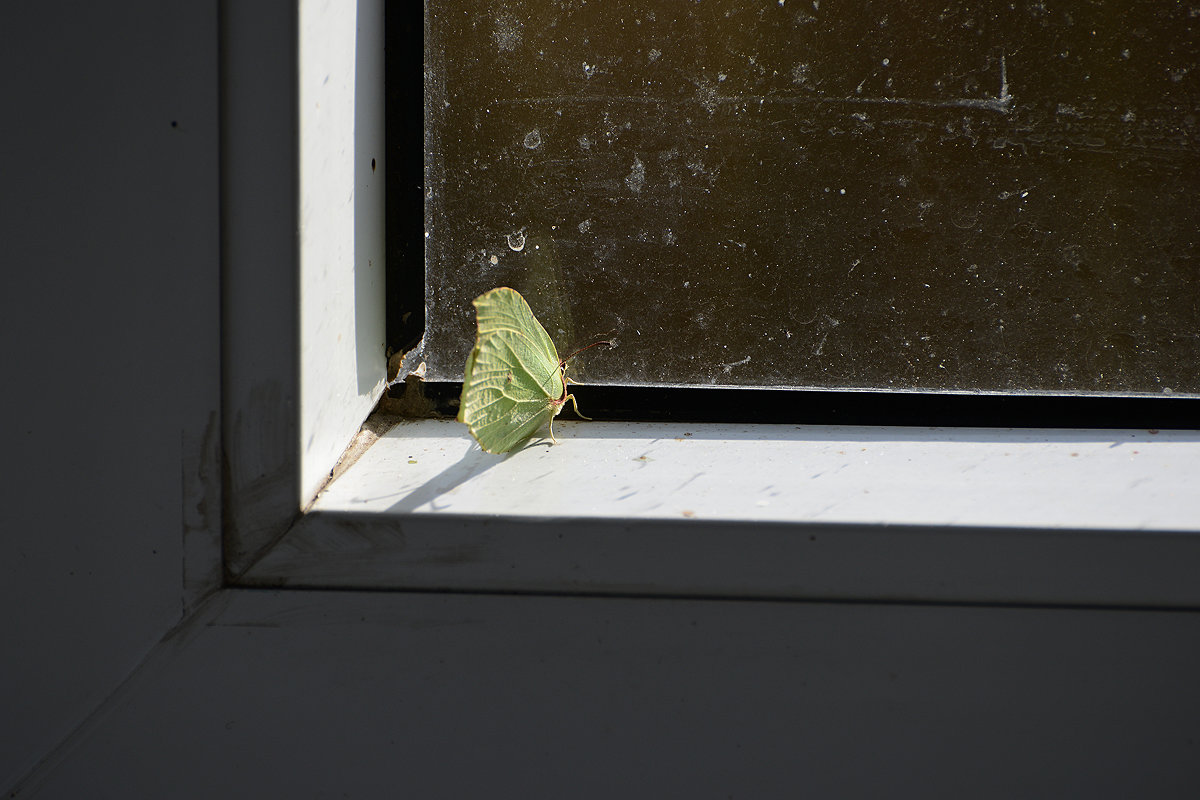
(515,381)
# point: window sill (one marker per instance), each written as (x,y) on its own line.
(911,514)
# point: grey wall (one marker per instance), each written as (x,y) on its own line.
(109,313)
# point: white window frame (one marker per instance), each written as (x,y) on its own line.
(304,365)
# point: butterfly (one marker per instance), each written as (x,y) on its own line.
(514,381)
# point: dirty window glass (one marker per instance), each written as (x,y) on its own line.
(923,195)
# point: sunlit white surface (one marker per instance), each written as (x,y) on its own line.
(935,476)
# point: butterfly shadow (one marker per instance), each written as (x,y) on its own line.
(474,462)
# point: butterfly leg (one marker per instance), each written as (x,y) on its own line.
(571,397)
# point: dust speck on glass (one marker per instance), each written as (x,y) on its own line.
(921,195)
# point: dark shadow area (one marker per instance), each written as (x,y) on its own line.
(404,165)
(827,407)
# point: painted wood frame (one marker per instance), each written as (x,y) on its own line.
(302,253)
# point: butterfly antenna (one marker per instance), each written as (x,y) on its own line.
(589,347)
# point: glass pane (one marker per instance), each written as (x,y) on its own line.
(920,195)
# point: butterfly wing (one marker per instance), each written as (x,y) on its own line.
(513,378)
